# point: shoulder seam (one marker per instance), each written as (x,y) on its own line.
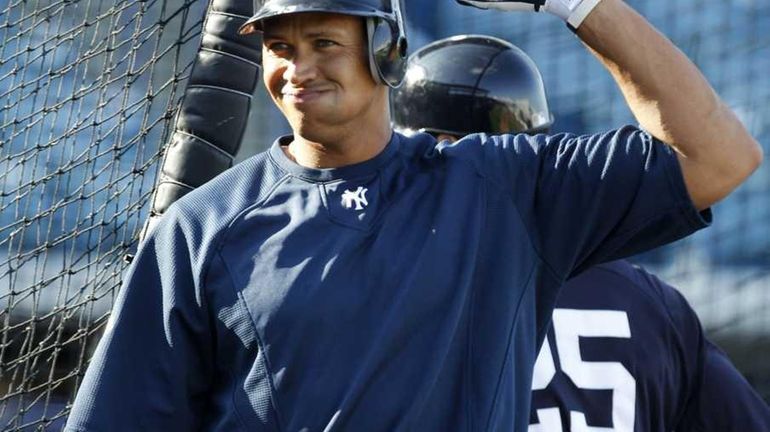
(260,345)
(218,239)
(510,196)
(219,236)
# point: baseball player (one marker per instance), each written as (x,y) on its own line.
(626,351)
(351,278)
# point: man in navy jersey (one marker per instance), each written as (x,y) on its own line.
(631,352)
(627,352)
(351,278)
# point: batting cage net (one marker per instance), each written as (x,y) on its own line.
(88,91)
(92,90)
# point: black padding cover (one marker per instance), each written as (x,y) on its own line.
(226,45)
(221,33)
(167,192)
(217,116)
(234,7)
(214,108)
(239,76)
(193,161)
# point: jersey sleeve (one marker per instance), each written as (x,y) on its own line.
(593,198)
(150,369)
(725,402)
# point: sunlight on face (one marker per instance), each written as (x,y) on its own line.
(316,70)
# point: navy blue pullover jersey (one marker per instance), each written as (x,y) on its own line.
(627,353)
(407,292)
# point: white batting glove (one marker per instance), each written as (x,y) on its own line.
(572,11)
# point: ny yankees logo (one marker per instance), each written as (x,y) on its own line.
(358,197)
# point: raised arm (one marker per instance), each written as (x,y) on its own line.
(671,99)
(667,94)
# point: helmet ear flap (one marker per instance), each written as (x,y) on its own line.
(387,52)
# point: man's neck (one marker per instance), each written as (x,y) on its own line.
(352,148)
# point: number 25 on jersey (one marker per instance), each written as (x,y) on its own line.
(570,325)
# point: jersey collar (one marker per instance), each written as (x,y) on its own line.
(358,170)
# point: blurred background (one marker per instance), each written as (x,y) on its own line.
(88,93)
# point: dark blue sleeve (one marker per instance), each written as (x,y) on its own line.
(725,402)
(590,199)
(150,370)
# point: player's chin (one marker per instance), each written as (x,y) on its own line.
(304,117)
(308,116)
(303,123)
(314,130)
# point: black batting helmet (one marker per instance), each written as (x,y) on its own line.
(471,83)
(384,24)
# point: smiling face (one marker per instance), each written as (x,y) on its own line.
(316,70)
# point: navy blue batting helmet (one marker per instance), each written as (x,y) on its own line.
(471,83)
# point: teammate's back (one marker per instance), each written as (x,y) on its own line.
(627,351)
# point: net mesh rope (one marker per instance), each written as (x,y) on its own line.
(88,91)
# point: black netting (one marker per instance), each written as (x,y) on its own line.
(88,91)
